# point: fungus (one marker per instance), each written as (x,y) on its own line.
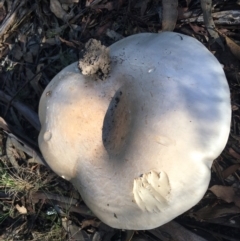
(139,145)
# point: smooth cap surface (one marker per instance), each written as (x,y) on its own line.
(139,145)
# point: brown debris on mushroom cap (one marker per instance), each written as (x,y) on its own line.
(96,60)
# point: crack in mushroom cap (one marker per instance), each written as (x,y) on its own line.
(160,119)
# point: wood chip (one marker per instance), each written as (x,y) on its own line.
(21,209)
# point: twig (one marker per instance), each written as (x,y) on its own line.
(169,14)
(28,113)
(176,232)
(62,201)
(24,85)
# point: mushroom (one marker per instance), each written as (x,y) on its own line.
(139,145)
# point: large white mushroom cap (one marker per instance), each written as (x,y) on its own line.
(139,145)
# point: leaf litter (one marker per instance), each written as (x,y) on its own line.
(38,39)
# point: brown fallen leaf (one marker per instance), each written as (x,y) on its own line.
(17,52)
(4,125)
(127,235)
(68,43)
(227,194)
(34,81)
(88,2)
(230,170)
(174,231)
(234,153)
(182,12)
(209,212)
(90,222)
(234,48)
(235,108)
(28,57)
(13,154)
(197,29)
(74,231)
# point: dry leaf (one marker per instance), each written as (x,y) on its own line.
(3,124)
(235,48)
(59,12)
(68,43)
(188,2)
(2,11)
(169,14)
(173,231)
(234,108)
(183,13)
(90,222)
(197,29)
(116,4)
(34,81)
(57,9)
(74,231)
(50,41)
(28,57)
(34,48)
(13,153)
(225,193)
(127,235)
(17,52)
(233,153)
(144,6)
(21,209)
(209,212)
(230,170)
